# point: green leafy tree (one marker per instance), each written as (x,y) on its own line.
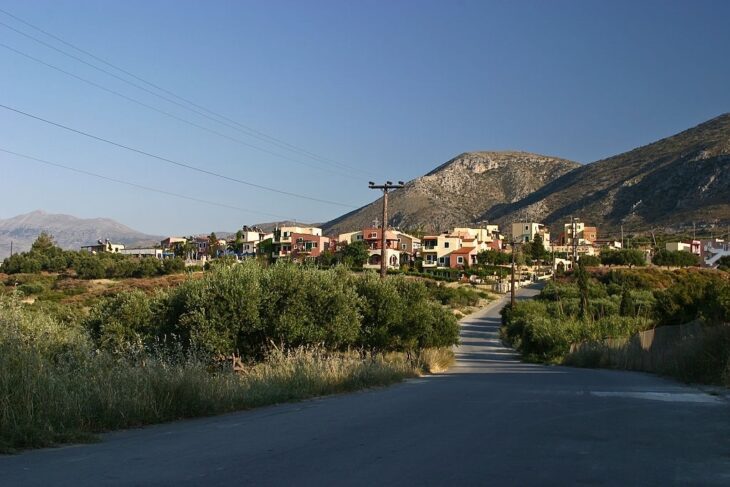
(493,257)
(627,307)
(590,260)
(675,258)
(121,323)
(355,254)
(583,280)
(237,244)
(214,245)
(327,259)
(44,244)
(537,249)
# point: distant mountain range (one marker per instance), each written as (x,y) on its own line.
(69,232)
(678,180)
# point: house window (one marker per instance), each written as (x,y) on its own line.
(373,235)
(403,246)
(527,228)
(446,245)
(314,245)
(459,260)
(359,237)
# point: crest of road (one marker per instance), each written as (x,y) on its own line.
(491,420)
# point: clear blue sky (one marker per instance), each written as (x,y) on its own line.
(393,88)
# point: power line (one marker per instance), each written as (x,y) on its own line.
(139,186)
(220,118)
(172,161)
(167,114)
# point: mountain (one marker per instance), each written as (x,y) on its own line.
(68,231)
(678,180)
(459,191)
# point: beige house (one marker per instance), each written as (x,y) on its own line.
(526,231)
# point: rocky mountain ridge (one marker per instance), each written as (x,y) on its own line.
(459,191)
(677,180)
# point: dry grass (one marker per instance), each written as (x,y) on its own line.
(43,404)
(436,360)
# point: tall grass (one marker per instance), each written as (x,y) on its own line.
(44,403)
(56,387)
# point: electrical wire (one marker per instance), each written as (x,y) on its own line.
(139,186)
(174,162)
(167,114)
(220,118)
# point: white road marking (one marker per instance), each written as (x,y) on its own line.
(693,397)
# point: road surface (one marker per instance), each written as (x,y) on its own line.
(490,421)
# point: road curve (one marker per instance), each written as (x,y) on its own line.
(491,420)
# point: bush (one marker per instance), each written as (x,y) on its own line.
(121,323)
(590,260)
(54,388)
(675,258)
(629,257)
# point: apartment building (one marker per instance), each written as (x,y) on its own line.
(526,231)
(458,248)
(298,243)
(584,234)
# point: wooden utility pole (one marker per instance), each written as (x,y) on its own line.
(512,283)
(385,188)
(574,223)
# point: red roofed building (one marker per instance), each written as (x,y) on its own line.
(460,258)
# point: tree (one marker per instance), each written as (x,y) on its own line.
(629,257)
(214,245)
(590,260)
(537,249)
(582,278)
(627,307)
(44,244)
(237,244)
(493,257)
(355,254)
(675,258)
(327,259)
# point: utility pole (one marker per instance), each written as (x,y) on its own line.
(512,284)
(11,248)
(575,241)
(385,188)
(622,236)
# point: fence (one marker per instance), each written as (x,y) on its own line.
(669,350)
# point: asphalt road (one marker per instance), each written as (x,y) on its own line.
(490,421)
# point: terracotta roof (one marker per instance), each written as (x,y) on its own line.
(463,250)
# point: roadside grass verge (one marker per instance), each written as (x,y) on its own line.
(44,403)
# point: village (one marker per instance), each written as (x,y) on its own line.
(450,254)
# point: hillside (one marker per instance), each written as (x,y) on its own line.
(675,181)
(459,191)
(69,232)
